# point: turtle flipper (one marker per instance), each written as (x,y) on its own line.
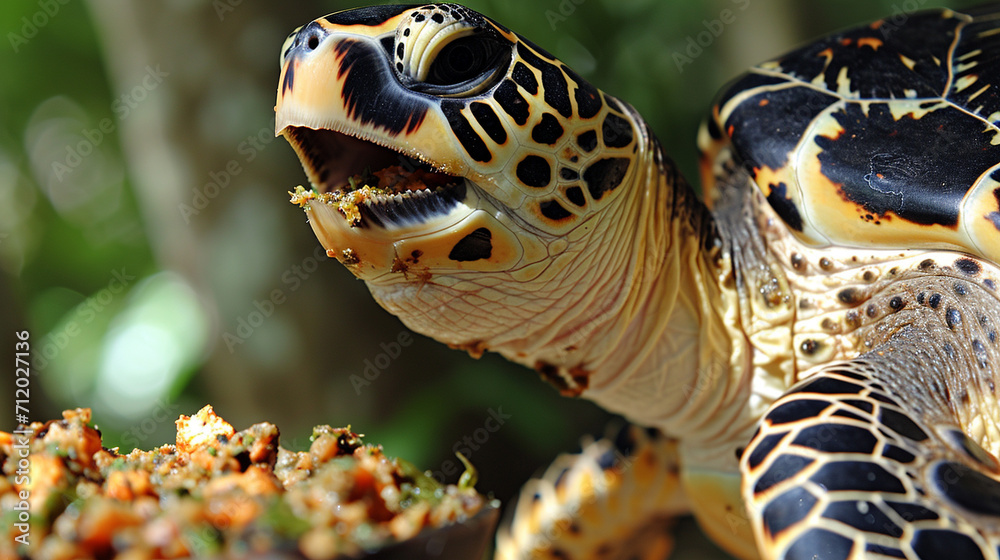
(847,465)
(616,499)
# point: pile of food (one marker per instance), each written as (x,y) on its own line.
(216,493)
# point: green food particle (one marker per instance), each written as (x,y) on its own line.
(203,540)
(422,486)
(345,462)
(58,502)
(355,182)
(470,477)
(10,517)
(367,537)
(280,517)
(54,449)
(319,431)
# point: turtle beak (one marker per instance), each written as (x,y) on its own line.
(342,108)
(339,78)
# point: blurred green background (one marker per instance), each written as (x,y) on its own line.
(144,222)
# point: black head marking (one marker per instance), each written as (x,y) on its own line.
(587,140)
(393,113)
(575,195)
(617,132)
(463,130)
(605,175)
(511,101)
(552,210)
(611,102)
(524,77)
(473,247)
(371,16)
(588,99)
(554,87)
(288,82)
(548,131)
(568,174)
(534,171)
(489,120)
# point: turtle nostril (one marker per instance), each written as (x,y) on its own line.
(313,42)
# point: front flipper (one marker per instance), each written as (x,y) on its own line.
(615,500)
(864,459)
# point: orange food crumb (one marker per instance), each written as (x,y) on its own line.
(201,430)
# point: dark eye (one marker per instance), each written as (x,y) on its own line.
(462,60)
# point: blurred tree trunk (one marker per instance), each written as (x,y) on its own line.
(764,30)
(197,133)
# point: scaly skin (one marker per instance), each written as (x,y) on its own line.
(565,240)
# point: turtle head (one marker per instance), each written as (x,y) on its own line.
(454,166)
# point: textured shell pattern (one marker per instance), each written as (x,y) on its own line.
(884,136)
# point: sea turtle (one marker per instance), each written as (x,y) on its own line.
(813,345)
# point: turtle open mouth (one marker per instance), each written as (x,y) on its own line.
(371,185)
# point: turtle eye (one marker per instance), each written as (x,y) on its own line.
(462,67)
(464,59)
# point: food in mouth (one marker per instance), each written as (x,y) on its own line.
(393,195)
(401,191)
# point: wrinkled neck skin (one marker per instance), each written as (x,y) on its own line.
(628,310)
(671,354)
